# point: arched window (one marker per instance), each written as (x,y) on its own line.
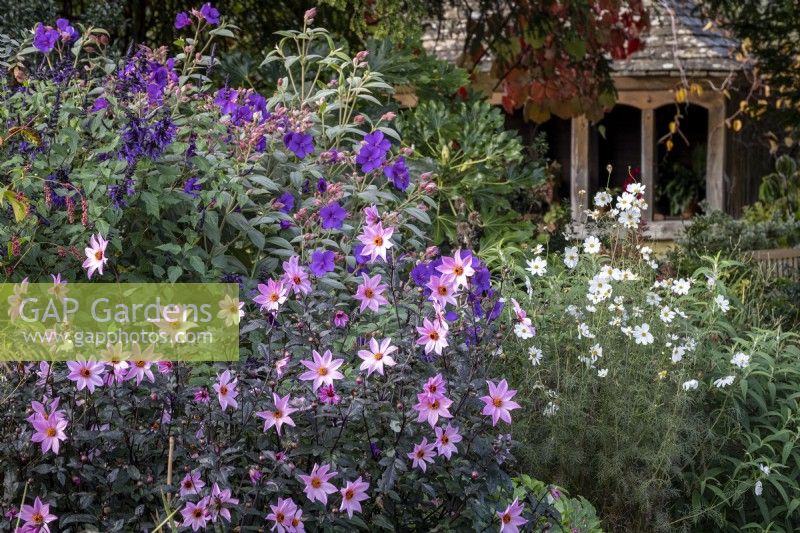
(615,145)
(679,180)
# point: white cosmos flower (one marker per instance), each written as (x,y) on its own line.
(596,352)
(591,245)
(602,372)
(646,251)
(677,353)
(741,360)
(759,489)
(539,250)
(711,281)
(642,335)
(535,355)
(583,331)
(636,188)
(692,384)
(571,256)
(602,199)
(537,266)
(652,298)
(573,311)
(523,331)
(764,469)
(630,218)
(625,201)
(666,315)
(550,409)
(681,286)
(723,303)
(721,383)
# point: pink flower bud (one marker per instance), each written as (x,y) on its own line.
(362,55)
(359,119)
(309,15)
(388,116)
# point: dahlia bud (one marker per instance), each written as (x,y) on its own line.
(362,55)
(388,116)
(309,15)
(359,119)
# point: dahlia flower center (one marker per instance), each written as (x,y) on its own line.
(223,390)
(51,432)
(434,336)
(98,255)
(443,290)
(37,519)
(322,371)
(348,494)
(445,439)
(497,401)
(280,517)
(369,293)
(85,372)
(278,413)
(458,271)
(139,364)
(420,454)
(378,241)
(198,513)
(274,297)
(316,483)
(378,356)
(506,518)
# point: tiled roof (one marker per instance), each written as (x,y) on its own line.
(678,40)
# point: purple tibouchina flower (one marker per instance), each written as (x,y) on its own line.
(99,105)
(496,310)
(227,100)
(210,13)
(373,152)
(301,144)
(322,185)
(322,262)
(332,216)
(259,104)
(192,187)
(358,250)
(398,174)
(67,32)
(182,20)
(421,274)
(287,201)
(45,38)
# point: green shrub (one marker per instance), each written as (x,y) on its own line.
(484,179)
(766,299)
(750,477)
